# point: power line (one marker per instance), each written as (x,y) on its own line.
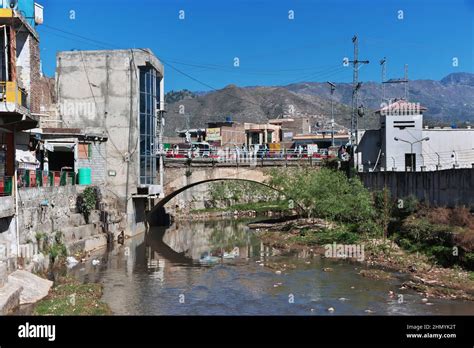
(103,44)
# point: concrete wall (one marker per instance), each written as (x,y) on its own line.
(444,141)
(97,162)
(442,188)
(44,209)
(101,92)
(28,68)
(6,206)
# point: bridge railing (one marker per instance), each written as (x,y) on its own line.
(239,156)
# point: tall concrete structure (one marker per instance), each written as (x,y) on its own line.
(117,94)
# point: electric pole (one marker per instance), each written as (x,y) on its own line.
(406,83)
(160,150)
(356,63)
(383,63)
(333,87)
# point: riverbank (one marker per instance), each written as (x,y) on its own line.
(313,235)
(70,297)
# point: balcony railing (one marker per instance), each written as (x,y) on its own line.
(36,178)
(11,93)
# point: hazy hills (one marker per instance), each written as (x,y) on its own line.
(448,100)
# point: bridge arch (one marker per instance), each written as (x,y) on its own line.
(159,207)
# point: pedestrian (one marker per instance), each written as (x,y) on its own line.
(244,151)
(237,154)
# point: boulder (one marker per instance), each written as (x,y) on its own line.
(34,288)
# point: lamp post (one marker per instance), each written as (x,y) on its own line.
(411,147)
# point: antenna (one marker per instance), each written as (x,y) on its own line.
(403,80)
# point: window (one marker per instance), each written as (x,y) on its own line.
(85,151)
(149,99)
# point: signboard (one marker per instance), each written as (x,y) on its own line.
(213,134)
(288,135)
(275,147)
(312,148)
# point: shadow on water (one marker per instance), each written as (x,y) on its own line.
(154,240)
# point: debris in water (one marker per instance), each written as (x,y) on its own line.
(331,309)
(95,262)
(328,269)
(424,300)
(278,272)
(71,261)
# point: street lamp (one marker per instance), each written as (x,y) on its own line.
(411,147)
(333,88)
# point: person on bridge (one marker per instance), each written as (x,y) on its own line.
(237,154)
(244,151)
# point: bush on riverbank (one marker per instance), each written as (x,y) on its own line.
(326,193)
(446,235)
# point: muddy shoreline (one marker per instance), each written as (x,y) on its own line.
(381,257)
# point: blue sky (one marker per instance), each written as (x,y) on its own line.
(271,48)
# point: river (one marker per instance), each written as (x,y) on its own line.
(222,268)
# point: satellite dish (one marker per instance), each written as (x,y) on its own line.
(13,3)
(361,111)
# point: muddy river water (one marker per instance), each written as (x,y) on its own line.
(222,268)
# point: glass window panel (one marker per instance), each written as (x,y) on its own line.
(148,82)
(142,80)
(142,102)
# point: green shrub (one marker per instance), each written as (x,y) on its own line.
(88,200)
(326,193)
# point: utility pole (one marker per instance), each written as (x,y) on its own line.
(160,150)
(333,87)
(382,63)
(356,63)
(406,82)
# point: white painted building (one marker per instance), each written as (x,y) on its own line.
(402,142)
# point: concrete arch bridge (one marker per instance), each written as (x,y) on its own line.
(180,179)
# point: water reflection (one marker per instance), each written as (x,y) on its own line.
(163,272)
(220,239)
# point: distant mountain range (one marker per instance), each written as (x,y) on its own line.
(448,100)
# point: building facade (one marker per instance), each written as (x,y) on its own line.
(403,144)
(116,95)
